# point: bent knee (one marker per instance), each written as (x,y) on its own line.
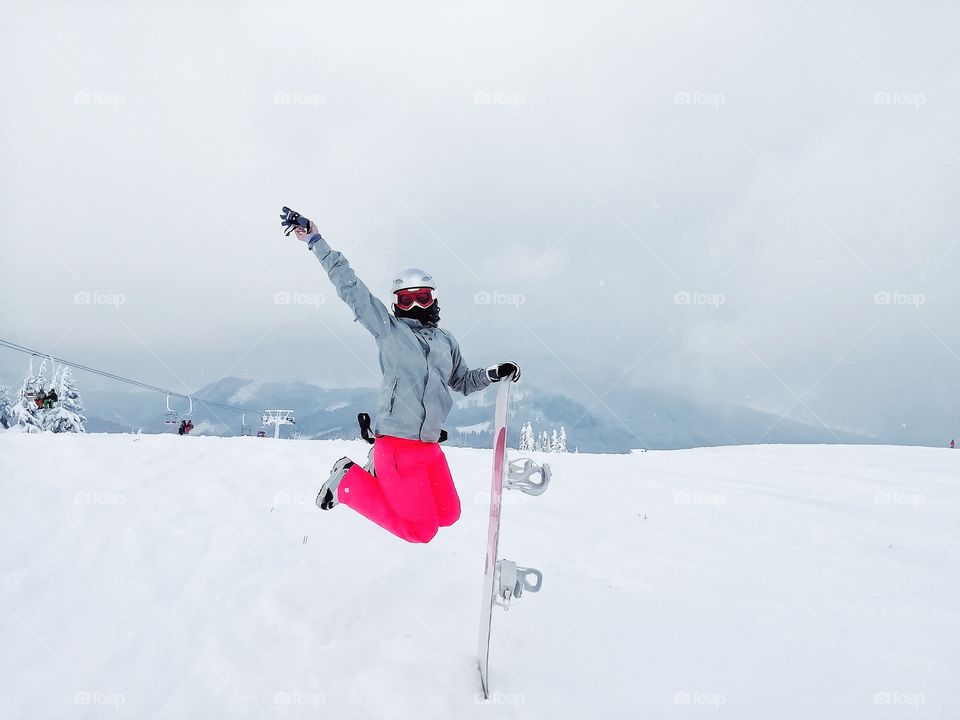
(422,533)
(449,516)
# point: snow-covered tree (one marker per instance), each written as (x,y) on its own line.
(24,413)
(67,413)
(543,442)
(5,407)
(527,440)
(553,442)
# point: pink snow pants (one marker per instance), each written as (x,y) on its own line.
(412,494)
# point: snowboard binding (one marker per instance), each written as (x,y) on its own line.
(291,220)
(514,580)
(520,472)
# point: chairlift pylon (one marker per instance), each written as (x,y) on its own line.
(277,418)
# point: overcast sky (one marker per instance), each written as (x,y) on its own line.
(742,202)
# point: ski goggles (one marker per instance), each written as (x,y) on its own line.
(406,299)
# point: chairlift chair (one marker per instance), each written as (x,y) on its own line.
(170,416)
(30,392)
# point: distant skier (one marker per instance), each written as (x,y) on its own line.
(41,398)
(412,494)
(953,445)
(182,430)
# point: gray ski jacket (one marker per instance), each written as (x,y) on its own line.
(419,363)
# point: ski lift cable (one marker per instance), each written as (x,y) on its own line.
(119,378)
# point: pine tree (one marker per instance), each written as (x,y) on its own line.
(554,442)
(6,407)
(527,441)
(562,443)
(66,415)
(24,413)
(543,442)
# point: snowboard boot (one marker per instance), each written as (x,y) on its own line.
(327,497)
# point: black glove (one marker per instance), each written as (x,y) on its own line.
(496,373)
(291,219)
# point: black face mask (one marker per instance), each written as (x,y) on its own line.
(427,316)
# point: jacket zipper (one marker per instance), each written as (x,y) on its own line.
(423,398)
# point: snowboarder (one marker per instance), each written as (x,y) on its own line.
(412,493)
(183,428)
(50,399)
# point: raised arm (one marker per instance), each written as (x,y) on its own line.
(370,312)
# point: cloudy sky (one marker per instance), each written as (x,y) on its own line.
(742,202)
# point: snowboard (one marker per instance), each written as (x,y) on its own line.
(503,580)
(493,531)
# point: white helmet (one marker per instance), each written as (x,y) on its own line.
(413,278)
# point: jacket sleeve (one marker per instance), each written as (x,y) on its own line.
(463,379)
(368,310)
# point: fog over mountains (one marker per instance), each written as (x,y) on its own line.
(625,420)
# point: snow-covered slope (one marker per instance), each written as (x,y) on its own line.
(192,577)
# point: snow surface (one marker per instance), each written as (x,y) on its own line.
(171,577)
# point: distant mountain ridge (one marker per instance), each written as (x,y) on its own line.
(626,420)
